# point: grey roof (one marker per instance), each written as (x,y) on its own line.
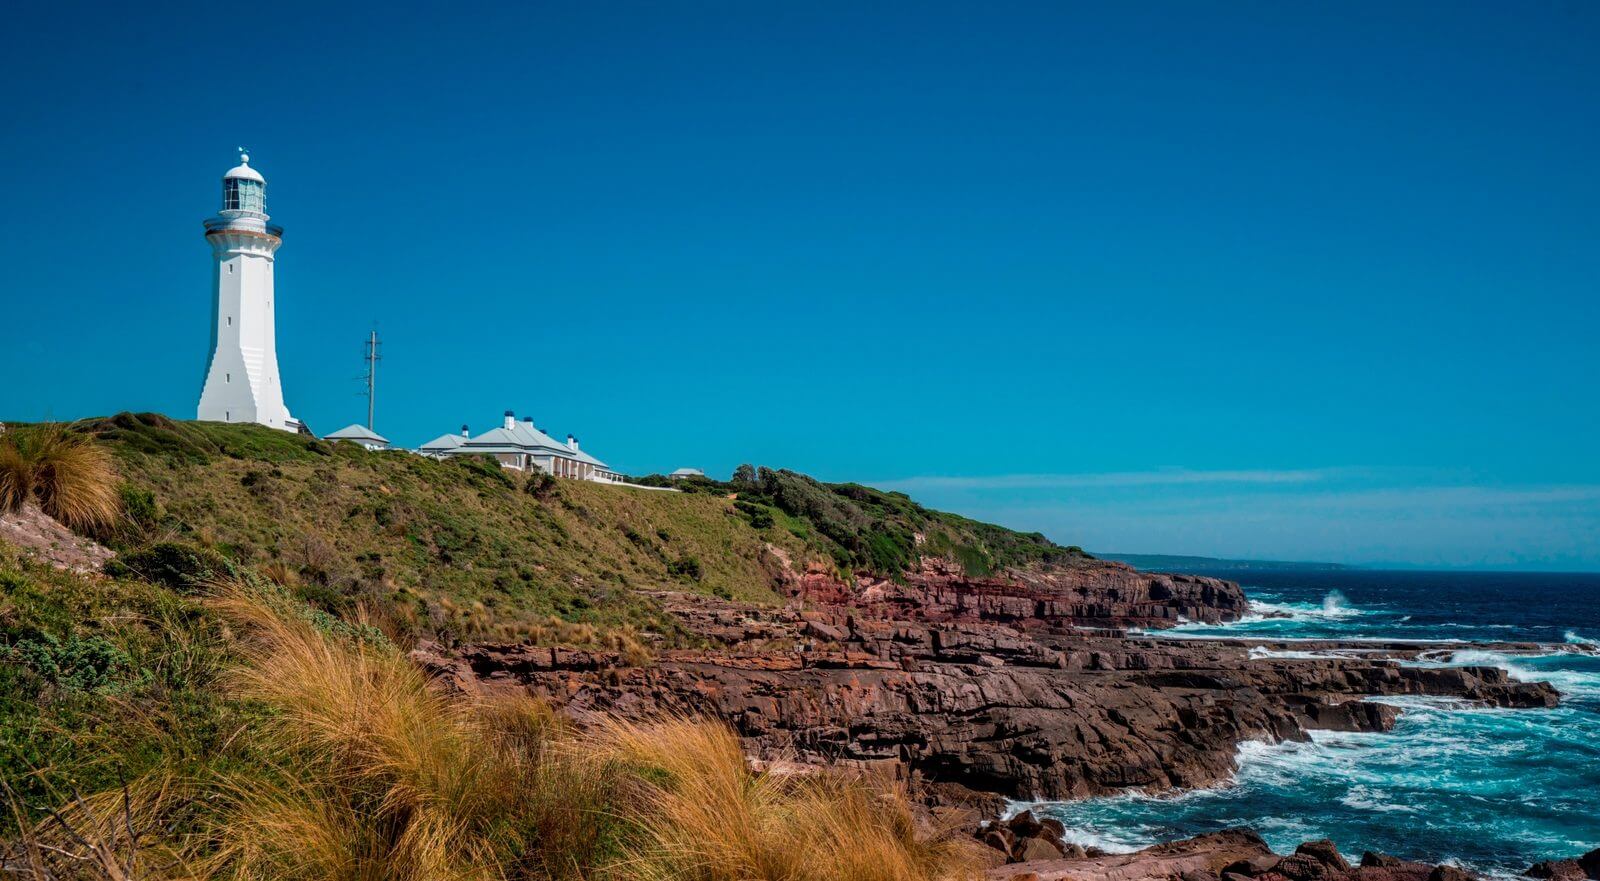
(444,442)
(687,472)
(522,437)
(357,432)
(513,438)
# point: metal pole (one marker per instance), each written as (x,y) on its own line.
(372,375)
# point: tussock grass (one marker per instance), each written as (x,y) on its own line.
(101,838)
(382,775)
(68,475)
(702,815)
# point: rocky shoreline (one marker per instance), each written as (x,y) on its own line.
(1027,685)
(1026,848)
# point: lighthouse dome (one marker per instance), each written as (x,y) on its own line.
(243,171)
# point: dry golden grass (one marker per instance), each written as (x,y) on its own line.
(384,776)
(106,837)
(70,476)
(702,815)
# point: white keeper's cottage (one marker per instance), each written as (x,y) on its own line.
(521,446)
(242,383)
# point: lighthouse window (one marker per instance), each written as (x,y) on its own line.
(252,196)
(243,195)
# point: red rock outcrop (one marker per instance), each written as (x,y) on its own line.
(945,692)
(1079,593)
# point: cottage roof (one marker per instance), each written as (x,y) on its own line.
(357,432)
(522,437)
(444,442)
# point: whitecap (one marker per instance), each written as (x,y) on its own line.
(1525,668)
(1334,605)
(1261,652)
(1572,638)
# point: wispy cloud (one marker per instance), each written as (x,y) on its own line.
(1158,477)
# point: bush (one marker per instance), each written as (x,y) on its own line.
(759,516)
(685,566)
(540,485)
(180,566)
(82,663)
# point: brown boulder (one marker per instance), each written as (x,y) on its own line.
(1591,863)
(1029,849)
(1253,866)
(1443,872)
(1000,839)
(1324,850)
(1025,825)
(1304,867)
(1558,870)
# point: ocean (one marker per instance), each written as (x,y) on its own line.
(1490,789)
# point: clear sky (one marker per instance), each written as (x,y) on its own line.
(1307,281)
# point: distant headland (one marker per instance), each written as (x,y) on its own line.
(1181,562)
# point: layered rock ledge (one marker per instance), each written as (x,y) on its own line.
(1023,685)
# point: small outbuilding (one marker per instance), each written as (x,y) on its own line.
(362,435)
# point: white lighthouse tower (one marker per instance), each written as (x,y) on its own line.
(242,382)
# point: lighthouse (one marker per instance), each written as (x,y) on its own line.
(242,383)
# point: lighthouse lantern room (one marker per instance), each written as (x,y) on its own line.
(242,383)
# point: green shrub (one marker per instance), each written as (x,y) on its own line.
(759,516)
(82,663)
(685,567)
(180,566)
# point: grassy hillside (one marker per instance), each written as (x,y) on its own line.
(466,549)
(461,547)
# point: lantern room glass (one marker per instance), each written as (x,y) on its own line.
(240,194)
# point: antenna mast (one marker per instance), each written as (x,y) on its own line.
(373,357)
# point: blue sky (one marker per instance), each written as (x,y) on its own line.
(1253,279)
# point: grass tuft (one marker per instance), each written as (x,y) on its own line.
(385,776)
(702,815)
(68,475)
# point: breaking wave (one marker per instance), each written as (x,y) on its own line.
(1334,605)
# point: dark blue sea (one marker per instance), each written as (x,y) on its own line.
(1490,789)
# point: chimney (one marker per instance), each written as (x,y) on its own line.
(511,420)
(464,432)
(572,443)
